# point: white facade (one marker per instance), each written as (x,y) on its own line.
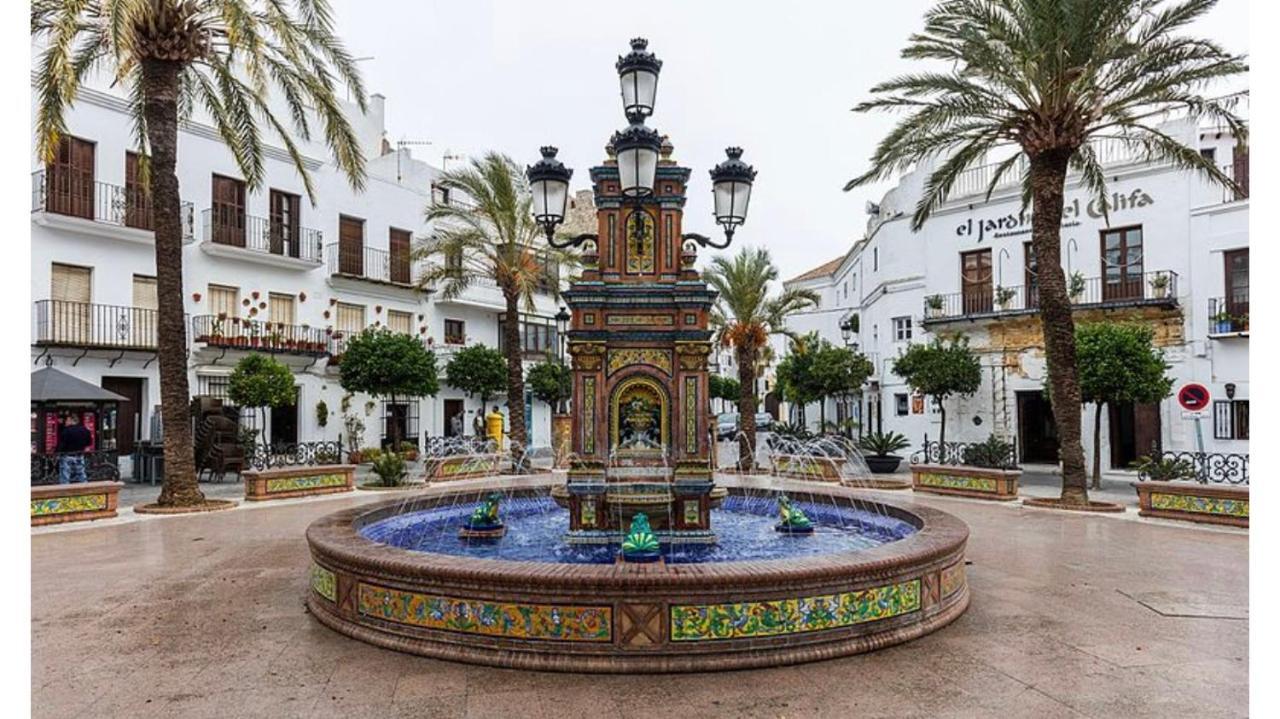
(1188,231)
(103,331)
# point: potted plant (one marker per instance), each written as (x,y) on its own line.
(1160,286)
(933,303)
(1075,288)
(882,446)
(1221,322)
(1004,295)
(409,451)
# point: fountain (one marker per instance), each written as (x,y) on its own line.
(642,559)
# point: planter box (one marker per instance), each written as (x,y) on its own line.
(58,503)
(1191,501)
(464,466)
(979,482)
(823,469)
(287,482)
(882,463)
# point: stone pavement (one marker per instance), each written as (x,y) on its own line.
(1072,616)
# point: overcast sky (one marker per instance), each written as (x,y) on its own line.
(777,78)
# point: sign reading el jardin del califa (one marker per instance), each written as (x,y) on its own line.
(1018,223)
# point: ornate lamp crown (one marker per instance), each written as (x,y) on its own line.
(639,58)
(548,168)
(733,168)
(636,135)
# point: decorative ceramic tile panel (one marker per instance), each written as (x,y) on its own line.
(588,415)
(660,359)
(692,512)
(324,582)
(628,320)
(314,481)
(587,515)
(554,622)
(745,620)
(1200,505)
(951,481)
(468,465)
(953,579)
(67,505)
(691,415)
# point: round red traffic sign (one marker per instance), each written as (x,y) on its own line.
(1193,396)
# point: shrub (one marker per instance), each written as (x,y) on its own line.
(370,454)
(787,430)
(390,468)
(883,444)
(993,453)
(1164,469)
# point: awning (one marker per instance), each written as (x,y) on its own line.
(51,385)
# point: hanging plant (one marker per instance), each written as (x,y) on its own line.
(333,301)
(421,317)
(302,296)
(422,330)
(326,314)
(195,296)
(322,413)
(377,309)
(245,302)
(255,294)
(262,305)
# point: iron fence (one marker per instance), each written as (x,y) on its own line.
(1158,287)
(962,453)
(226,226)
(1210,467)
(62,193)
(84,324)
(293,454)
(100,466)
(260,335)
(370,264)
(1228,315)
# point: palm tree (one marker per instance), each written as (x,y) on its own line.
(492,233)
(228,58)
(1051,80)
(743,317)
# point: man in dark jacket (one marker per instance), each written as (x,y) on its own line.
(73,440)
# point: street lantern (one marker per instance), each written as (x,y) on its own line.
(731,186)
(637,148)
(638,75)
(562,327)
(846,331)
(549,185)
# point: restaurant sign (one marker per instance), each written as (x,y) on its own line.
(1018,223)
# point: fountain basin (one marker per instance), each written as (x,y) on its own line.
(629,617)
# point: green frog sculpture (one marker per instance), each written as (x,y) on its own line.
(794,520)
(640,544)
(484,522)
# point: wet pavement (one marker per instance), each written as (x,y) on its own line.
(1072,616)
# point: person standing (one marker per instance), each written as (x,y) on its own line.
(73,440)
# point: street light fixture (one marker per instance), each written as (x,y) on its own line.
(731,182)
(562,328)
(638,75)
(549,184)
(637,147)
(846,331)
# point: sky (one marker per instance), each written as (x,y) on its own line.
(777,79)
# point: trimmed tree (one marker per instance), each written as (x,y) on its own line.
(1118,364)
(839,372)
(725,389)
(262,382)
(389,365)
(939,370)
(550,382)
(794,375)
(478,371)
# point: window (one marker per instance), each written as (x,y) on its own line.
(137,204)
(439,195)
(900,404)
(901,329)
(455,332)
(453,263)
(227,218)
(1208,153)
(535,337)
(1122,263)
(975,281)
(69,315)
(400,241)
(400,322)
(282,308)
(144,293)
(350,318)
(1231,419)
(285,231)
(69,181)
(142,318)
(224,300)
(1236,263)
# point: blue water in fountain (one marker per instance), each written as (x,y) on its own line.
(743,526)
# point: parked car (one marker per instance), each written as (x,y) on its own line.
(727,425)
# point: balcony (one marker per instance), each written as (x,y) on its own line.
(68,202)
(977,180)
(1239,172)
(260,239)
(90,326)
(1228,319)
(223,332)
(1158,288)
(370,265)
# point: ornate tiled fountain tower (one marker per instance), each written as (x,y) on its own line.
(639,342)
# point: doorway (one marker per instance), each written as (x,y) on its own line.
(128,412)
(1135,431)
(1037,433)
(284,422)
(454,418)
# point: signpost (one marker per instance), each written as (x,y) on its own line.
(1194,398)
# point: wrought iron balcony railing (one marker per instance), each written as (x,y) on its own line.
(370,264)
(223,226)
(1158,287)
(274,337)
(83,324)
(1228,315)
(63,193)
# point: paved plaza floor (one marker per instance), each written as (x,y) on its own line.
(1071,616)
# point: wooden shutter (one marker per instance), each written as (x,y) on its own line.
(401,322)
(142,316)
(350,318)
(227,211)
(70,292)
(285,229)
(69,183)
(1122,263)
(137,203)
(282,308)
(224,300)
(975,281)
(351,246)
(1236,283)
(400,242)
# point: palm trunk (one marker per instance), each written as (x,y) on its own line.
(160,109)
(746,408)
(822,415)
(1048,176)
(515,373)
(1097,446)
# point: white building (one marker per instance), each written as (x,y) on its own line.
(1174,255)
(264,269)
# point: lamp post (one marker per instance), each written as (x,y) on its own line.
(562,329)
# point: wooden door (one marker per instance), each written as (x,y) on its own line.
(975,281)
(137,201)
(1030,277)
(1037,433)
(69,180)
(228,211)
(400,241)
(1122,264)
(284,230)
(351,246)
(1135,432)
(69,310)
(1236,282)
(129,412)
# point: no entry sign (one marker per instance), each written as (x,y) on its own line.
(1193,397)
